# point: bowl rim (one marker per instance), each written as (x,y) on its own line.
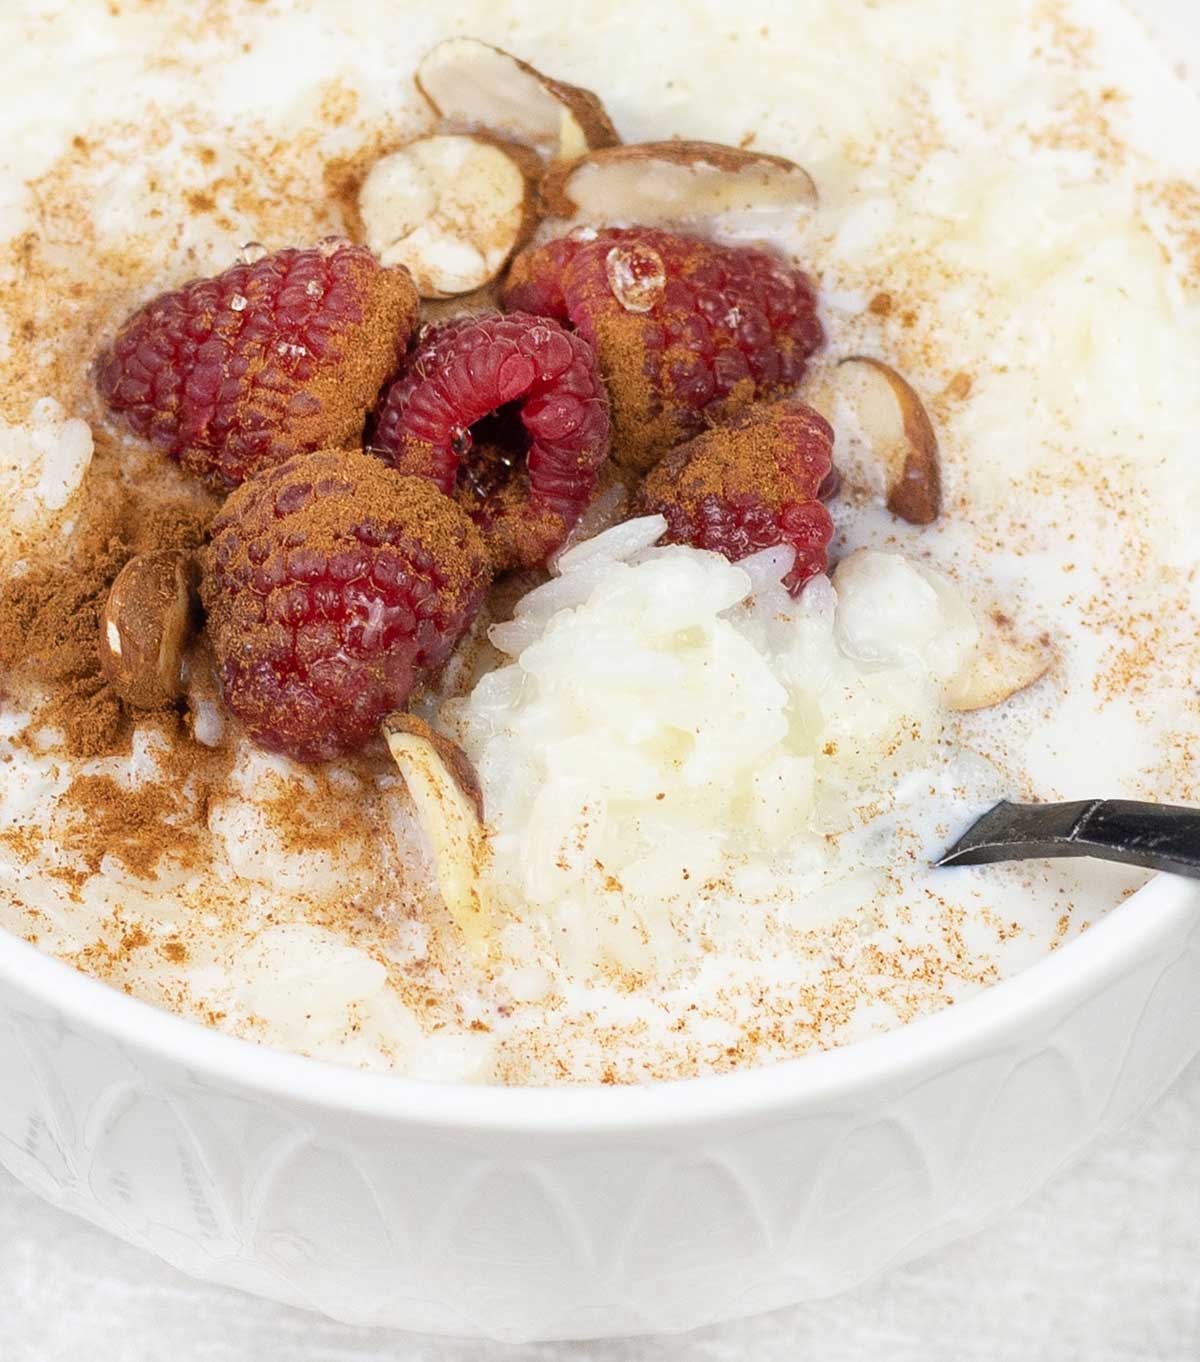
(995,1019)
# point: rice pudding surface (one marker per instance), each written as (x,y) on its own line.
(1009,214)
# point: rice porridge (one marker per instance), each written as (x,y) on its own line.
(712,778)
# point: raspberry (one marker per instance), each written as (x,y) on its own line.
(684,330)
(507,414)
(749,484)
(269,359)
(331,584)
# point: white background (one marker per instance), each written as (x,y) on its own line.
(1103,1266)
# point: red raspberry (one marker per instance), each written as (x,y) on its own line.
(509,415)
(749,484)
(684,330)
(331,583)
(232,374)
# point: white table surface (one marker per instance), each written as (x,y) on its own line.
(1103,1266)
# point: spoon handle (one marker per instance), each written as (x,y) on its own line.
(1157,836)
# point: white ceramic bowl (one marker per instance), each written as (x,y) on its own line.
(524,1214)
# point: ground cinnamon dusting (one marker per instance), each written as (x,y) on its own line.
(138,827)
(316,814)
(368,356)
(519,530)
(49,625)
(345,483)
(641,430)
(50,616)
(344,175)
(752,451)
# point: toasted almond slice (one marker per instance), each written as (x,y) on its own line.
(659,182)
(451,208)
(895,421)
(472,84)
(1001,666)
(148,620)
(445,790)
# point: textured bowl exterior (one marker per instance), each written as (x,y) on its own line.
(527,1214)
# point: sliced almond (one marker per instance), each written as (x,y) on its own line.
(472,84)
(451,209)
(895,422)
(445,790)
(661,182)
(148,620)
(1001,666)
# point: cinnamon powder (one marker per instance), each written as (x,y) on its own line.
(49,625)
(50,619)
(50,616)
(753,450)
(138,826)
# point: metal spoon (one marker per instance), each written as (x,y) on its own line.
(1157,836)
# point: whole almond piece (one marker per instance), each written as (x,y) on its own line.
(148,621)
